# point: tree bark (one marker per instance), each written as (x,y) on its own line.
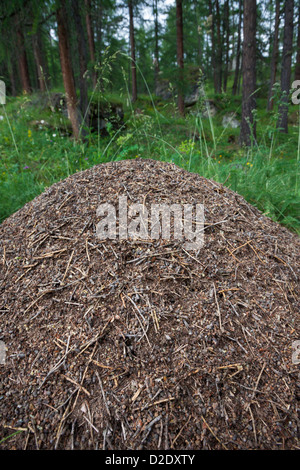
(10,69)
(132,51)
(67,71)
(91,41)
(82,56)
(227,35)
(212,33)
(286,65)
(238,52)
(297,67)
(22,58)
(219,50)
(180,62)
(248,126)
(39,60)
(274,60)
(156,49)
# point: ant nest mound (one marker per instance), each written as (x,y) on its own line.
(142,343)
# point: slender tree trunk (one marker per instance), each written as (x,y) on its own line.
(90,35)
(99,34)
(199,42)
(227,32)
(286,65)
(22,58)
(274,60)
(179,35)
(219,50)
(238,52)
(213,43)
(82,55)
(39,60)
(248,127)
(156,49)
(297,67)
(67,71)
(11,76)
(132,50)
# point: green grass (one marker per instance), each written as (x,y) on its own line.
(267,175)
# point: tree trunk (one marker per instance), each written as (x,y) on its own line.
(197,32)
(227,32)
(99,34)
(10,69)
(213,43)
(39,60)
(66,68)
(248,127)
(274,60)
(219,50)
(22,58)
(90,35)
(156,50)
(179,35)
(297,67)
(82,56)
(286,65)
(132,51)
(238,52)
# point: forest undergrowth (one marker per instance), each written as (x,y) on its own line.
(36,150)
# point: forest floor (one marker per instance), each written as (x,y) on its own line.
(33,156)
(143,344)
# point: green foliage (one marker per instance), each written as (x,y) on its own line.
(33,158)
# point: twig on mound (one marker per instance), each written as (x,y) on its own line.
(142,326)
(103,394)
(68,265)
(219,312)
(216,437)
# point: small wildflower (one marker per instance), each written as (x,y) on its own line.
(29,133)
(26,167)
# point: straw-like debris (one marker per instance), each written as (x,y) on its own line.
(142,344)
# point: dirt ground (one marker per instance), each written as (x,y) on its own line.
(143,344)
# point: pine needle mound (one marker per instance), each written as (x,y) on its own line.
(141,344)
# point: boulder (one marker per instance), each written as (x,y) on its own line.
(193,97)
(229,120)
(163,90)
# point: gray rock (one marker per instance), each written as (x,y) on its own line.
(193,97)
(163,89)
(229,120)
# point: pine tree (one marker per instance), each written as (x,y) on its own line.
(66,67)
(180,62)
(286,65)
(275,53)
(132,52)
(238,51)
(248,126)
